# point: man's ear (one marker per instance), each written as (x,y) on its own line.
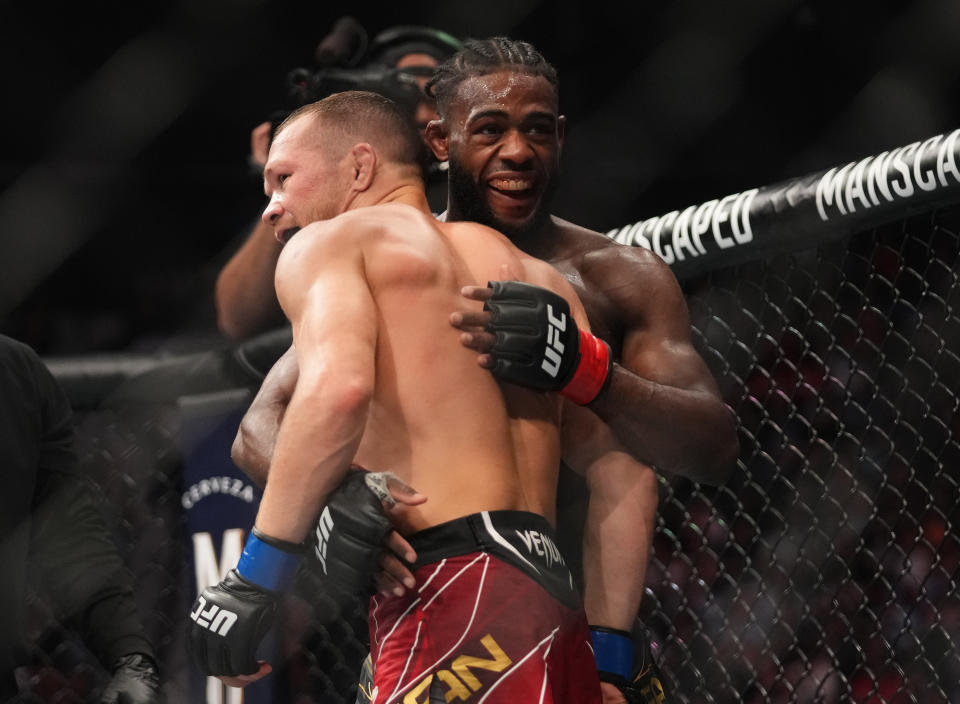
(437,139)
(363,161)
(561,129)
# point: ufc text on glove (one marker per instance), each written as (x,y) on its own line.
(539,346)
(231,618)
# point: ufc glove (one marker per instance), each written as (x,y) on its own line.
(539,345)
(630,669)
(344,550)
(231,618)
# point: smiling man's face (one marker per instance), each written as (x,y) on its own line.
(503,136)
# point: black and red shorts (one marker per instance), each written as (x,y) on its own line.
(495,618)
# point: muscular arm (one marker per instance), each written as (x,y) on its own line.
(619,526)
(618,530)
(257,435)
(244,295)
(321,286)
(660,399)
(662,402)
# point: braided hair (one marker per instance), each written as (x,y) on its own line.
(480,57)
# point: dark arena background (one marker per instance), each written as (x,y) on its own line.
(823,294)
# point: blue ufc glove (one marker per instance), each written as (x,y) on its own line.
(231,618)
(539,345)
(630,669)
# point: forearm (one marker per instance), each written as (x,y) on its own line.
(254,444)
(662,405)
(244,291)
(257,436)
(322,287)
(315,446)
(617,538)
(686,432)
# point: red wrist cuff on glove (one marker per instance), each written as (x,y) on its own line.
(592,372)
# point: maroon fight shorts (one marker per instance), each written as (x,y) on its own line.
(495,618)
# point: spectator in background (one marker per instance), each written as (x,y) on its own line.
(53,536)
(396,58)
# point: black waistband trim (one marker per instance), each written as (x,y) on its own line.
(520,538)
(470,533)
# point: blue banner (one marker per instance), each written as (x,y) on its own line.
(220,504)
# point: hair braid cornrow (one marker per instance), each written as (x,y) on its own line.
(480,57)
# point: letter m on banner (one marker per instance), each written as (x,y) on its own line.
(208,568)
(209,571)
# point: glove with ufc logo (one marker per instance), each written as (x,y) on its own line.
(628,665)
(539,345)
(231,618)
(345,548)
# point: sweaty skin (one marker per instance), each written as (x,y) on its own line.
(361,292)
(502,134)
(382,382)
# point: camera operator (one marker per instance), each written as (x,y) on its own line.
(397,63)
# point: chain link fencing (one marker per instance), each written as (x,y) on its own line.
(824,570)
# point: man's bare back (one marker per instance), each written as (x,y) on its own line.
(437,419)
(366,278)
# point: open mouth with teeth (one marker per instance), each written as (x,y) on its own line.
(514,188)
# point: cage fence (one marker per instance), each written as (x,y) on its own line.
(824,570)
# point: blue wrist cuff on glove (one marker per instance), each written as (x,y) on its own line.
(267,566)
(613,652)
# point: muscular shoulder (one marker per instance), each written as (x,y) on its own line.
(611,264)
(487,252)
(308,257)
(587,248)
(475,235)
(635,280)
(485,243)
(349,234)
